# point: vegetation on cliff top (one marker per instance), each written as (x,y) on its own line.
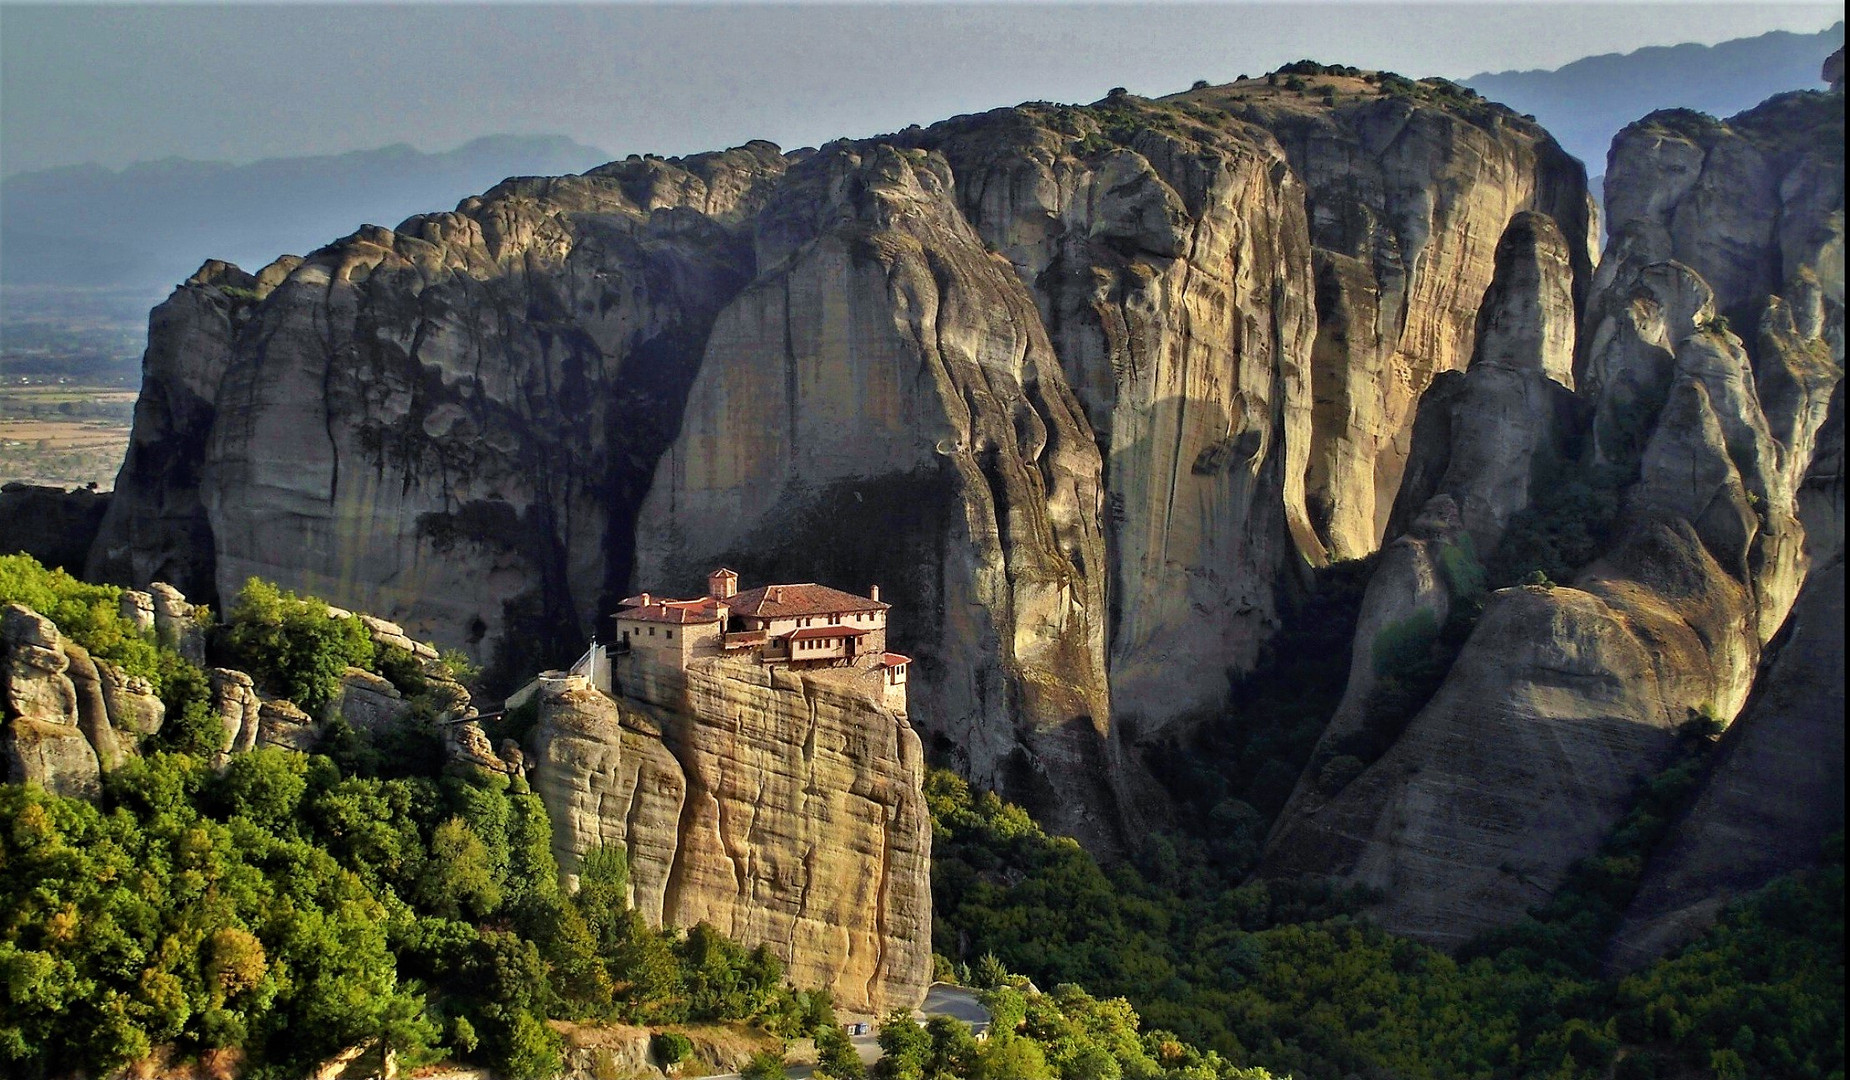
(268,915)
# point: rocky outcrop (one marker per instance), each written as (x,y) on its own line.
(1776,792)
(70,717)
(1407,207)
(176,621)
(52,525)
(282,725)
(1172,274)
(369,702)
(1075,385)
(43,741)
(782,808)
(1564,696)
(239,710)
(135,711)
(1482,438)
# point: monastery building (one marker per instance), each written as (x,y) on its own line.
(803,626)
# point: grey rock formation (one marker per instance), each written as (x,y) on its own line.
(1563,697)
(93,709)
(52,525)
(135,711)
(1776,793)
(239,709)
(138,608)
(368,702)
(42,740)
(1076,385)
(281,725)
(1481,438)
(176,622)
(1407,206)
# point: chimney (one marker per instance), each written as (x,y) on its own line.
(646,599)
(873,593)
(722,584)
(777,594)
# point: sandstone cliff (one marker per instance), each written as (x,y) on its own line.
(1077,385)
(1703,438)
(69,718)
(782,808)
(1776,793)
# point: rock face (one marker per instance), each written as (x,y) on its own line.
(1776,793)
(43,741)
(70,718)
(1406,207)
(52,525)
(1075,385)
(781,808)
(1481,437)
(1563,697)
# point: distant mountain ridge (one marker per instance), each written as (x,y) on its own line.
(1585,103)
(153,223)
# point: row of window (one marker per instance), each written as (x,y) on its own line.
(859,616)
(818,643)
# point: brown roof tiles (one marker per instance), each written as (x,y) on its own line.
(784,601)
(703,610)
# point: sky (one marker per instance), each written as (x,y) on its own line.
(114,84)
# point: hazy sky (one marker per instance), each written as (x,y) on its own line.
(121,83)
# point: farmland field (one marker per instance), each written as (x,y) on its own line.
(69,372)
(64,436)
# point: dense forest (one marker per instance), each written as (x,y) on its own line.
(281,909)
(1285,974)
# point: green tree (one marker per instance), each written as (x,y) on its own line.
(528,1050)
(837,1057)
(671,1047)
(765,1065)
(291,646)
(905,1048)
(1007,1056)
(458,877)
(953,1047)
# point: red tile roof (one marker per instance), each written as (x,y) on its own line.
(894,659)
(783,601)
(811,632)
(703,610)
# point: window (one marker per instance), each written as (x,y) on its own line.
(669,634)
(651,631)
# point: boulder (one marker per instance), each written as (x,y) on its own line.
(93,709)
(369,702)
(42,740)
(138,608)
(282,725)
(135,710)
(176,622)
(239,708)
